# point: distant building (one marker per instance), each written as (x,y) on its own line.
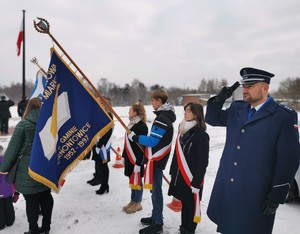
(198,98)
(203,98)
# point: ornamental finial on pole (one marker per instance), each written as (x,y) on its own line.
(42,26)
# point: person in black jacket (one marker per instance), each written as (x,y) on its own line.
(102,157)
(22,106)
(5,113)
(134,157)
(189,166)
(158,146)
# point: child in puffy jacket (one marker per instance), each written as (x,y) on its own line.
(7,197)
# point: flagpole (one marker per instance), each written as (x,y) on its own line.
(23,75)
(34,61)
(44,27)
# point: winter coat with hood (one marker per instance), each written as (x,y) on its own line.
(163,127)
(22,137)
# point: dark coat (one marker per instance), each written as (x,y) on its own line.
(23,135)
(4,108)
(259,161)
(139,128)
(195,145)
(103,141)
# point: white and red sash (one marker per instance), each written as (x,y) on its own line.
(135,178)
(148,179)
(188,177)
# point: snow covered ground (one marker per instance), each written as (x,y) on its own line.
(77,209)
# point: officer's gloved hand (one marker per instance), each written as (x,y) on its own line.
(269,207)
(226,92)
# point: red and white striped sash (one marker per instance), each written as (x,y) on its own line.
(148,179)
(188,177)
(135,178)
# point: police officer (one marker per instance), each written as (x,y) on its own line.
(260,157)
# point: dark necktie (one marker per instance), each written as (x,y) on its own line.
(253,110)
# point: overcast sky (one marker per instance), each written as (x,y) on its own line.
(165,42)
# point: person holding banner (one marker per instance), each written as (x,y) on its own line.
(158,146)
(134,156)
(103,156)
(188,166)
(36,194)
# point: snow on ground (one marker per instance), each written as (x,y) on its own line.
(77,209)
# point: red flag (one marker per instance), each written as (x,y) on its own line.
(20,39)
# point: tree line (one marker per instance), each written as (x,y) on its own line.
(288,91)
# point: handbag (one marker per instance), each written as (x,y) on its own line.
(11,175)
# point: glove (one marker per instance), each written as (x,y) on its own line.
(226,92)
(97,149)
(269,208)
(131,135)
(195,190)
(16,197)
(136,168)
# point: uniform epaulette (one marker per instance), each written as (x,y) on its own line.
(286,107)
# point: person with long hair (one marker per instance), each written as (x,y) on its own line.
(189,164)
(37,195)
(134,157)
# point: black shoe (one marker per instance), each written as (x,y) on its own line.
(95,182)
(43,231)
(152,229)
(103,189)
(146,221)
(32,232)
(89,181)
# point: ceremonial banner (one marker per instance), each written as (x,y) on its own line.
(39,85)
(70,121)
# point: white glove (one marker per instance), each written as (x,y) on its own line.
(130,135)
(136,168)
(195,190)
(97,150)
(103,149)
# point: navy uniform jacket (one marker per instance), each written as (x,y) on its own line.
(259,161)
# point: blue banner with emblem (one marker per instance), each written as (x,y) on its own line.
(70,122)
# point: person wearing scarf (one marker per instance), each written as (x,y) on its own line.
(133,157)
(157,151)
(188,166)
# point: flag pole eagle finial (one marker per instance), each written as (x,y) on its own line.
(42,26)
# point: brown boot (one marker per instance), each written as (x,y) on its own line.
(134,208)
(127,206)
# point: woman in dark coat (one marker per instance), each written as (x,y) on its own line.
(102,157)
(133,157)
(37,195)
(189,166)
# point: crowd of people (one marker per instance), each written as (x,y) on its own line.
(260,158)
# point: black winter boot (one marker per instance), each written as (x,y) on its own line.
(184,231)
(152,229)
(146,221)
